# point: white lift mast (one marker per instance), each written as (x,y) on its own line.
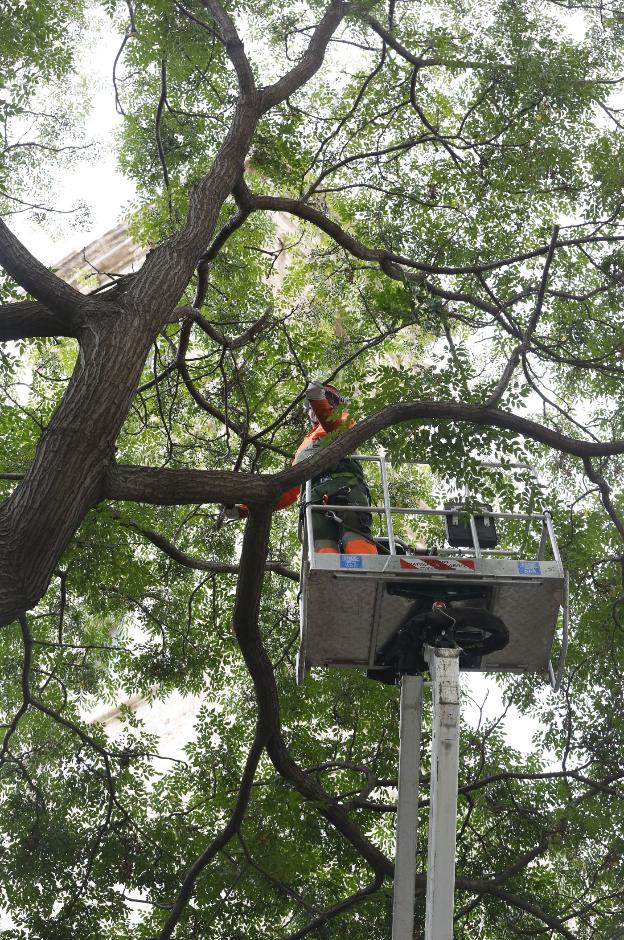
(444,669)
(407,808)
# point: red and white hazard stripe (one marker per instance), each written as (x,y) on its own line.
(437,564)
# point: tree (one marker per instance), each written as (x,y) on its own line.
(455,174)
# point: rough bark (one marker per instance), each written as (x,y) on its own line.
(67,475)
(65,301)
(76,451)
(29,318)
(171,487)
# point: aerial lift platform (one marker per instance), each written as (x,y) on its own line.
(477,602)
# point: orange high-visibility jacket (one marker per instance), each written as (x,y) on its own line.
(327,422)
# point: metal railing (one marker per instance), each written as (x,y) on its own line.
(546,539)
(547,536)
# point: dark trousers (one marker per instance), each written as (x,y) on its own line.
(352,533)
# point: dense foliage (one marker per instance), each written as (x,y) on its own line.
(421,202)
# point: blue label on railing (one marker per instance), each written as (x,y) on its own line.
(529,567)
(351,561)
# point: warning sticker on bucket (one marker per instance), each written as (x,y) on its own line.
(529,567)
(438,564)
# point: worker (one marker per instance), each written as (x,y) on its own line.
(343,484)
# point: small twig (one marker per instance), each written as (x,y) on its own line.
(246,337)
(521,350)
(159,112)
(62,604)
(421,62)
(435,133)
(505,378)
(338,908)
(605,494)
(118,105)
(542,289)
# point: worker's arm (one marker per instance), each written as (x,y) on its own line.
(329,421)
(288,498)
(241,511)
(328,416)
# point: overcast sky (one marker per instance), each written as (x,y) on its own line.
(96,181)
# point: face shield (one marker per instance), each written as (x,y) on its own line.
(333,396)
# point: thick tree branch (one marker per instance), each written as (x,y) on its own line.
(233,46)
(29,318)
(198,564)
(63,300)
(255,547)
(432,412)
(524,861)
(171,487)
(297,207)
(309,63)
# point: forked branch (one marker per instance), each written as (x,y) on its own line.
(310,62)
(63,300)
(521,350)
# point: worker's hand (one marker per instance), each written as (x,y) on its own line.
(233,513)
(236,512)
(314,391)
